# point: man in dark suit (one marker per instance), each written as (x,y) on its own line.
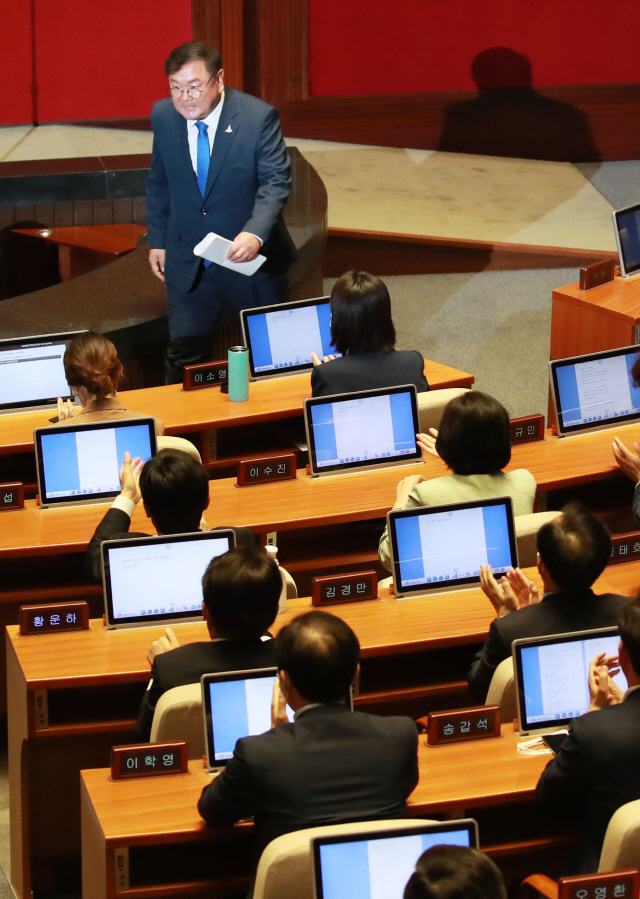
(596,769)
(174,489)
(240,593)
(331,765)
(573,551)
(219,165)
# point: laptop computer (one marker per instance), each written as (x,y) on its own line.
(594,391)
(378,863)
(237,704)
(81,463)
(150,580)
(626,225)
(552,674)
(282,337)
(32,372)
(436,549)
(363,430)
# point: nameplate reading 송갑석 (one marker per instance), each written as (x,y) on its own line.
(344,588)
(264,471)
(149,759)
(60,616)
(463,724)
(11,496)
(208,374)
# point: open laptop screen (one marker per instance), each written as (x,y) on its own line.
(366,429)
(32,371)
(552,676)
(152,579)
(378,864)
(282,337)
(81,463)
(595,391)
(236,704)
(437,548)
(626,224)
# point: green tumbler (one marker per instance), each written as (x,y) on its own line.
(238,374)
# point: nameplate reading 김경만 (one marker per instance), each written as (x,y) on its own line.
(462,725)
(57,617)
(610,885)
(344,588)
(149,759)
(264,471)
(527,428)
(207,374)
(11,496)
(624,548)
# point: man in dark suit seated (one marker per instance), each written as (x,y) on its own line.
(240,593)
(573,551)
(174,489)
(331,764)
(596,769)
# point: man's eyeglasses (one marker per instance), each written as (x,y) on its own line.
(193,92)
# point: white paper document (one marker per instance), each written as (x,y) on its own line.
(215,249)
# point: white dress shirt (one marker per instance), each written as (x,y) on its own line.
(211,121)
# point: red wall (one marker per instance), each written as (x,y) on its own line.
(381,47)
(94,58)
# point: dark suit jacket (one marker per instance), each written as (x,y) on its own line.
(247,186)
(187,664)
(366,371)
(636,503)
(330,766)
(558,613)
(595,771)
(115,526)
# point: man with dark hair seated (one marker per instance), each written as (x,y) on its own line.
(331,764)
(596,769)
(455,872)
(573,551)
(240,593)
(174,488)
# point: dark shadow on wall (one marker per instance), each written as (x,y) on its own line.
(509,118)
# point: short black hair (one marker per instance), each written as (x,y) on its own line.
(574,548)
(320,653)
(455,872)
(474,437)
(635,372)
(241,590)
(629,628)
(175,490)
(188,52)
(361,315)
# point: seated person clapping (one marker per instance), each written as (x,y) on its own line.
(475,444)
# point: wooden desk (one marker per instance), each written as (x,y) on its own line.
(241,427)
(415,655)
(152,825)
(85,248)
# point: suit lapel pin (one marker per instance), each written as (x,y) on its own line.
(228,129)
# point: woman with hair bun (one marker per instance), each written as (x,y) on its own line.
(94,372)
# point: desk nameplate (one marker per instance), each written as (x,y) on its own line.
(336,588)
(207,374)
(11,496)
(611,885)
(624,548)
(56,617)
(149,759)
(267,470)
(462,725)
(526,429)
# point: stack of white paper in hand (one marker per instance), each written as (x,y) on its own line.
(215,249)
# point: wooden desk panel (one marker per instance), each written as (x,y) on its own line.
(138,814)
(199,410)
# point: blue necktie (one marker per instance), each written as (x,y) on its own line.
(203,159)
(204,156)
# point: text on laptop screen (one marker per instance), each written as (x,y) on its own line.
(32,374)
(162,578)
(369,428)
(555,676)
(597,389)
(286,338)
(378,868)
(87,461)
(240,708)
(628,223)
(451,545)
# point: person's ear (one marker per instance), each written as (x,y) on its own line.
(283,679)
